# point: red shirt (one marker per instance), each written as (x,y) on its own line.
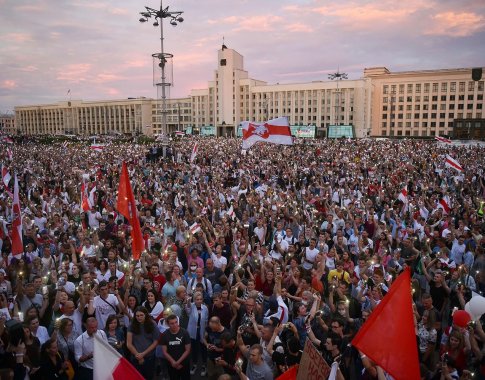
(158,281)
(265,287)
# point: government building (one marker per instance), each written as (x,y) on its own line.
(446,102)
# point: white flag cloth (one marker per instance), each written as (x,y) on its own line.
(194,153)
(442,139)
(403,195)
(110,365)
(452,163)
(275,131)
(194,228)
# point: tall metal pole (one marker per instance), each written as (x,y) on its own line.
(175,18)
(337,76)
(162,64)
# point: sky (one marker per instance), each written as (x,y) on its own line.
(99,50)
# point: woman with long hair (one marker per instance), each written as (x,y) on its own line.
(114,333)
(427,338)
(153,305)
(198,317)
(66,338)
(32,347)
(456,350)
(102,269)
(131,303)
(141,341)
(53,364)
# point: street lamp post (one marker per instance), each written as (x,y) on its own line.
(175,18)
(338,76)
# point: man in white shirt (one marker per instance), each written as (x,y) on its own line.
(311,253)
(84,348)
(75,315)
(94,218)
(260,231)
(105,304)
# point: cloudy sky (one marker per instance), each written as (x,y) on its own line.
(99,50)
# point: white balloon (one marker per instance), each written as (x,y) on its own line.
(477,307)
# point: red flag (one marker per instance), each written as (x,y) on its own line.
(85,197)
(290,374)
(276,131)
(110,365)
(127,207)
(388,337)
(17,244)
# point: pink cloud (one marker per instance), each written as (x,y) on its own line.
(137,63)
(456,24)
(74,73)
(299,28)
(184,60)
(356,13)
(105,77)
(8,84)
(261,23)
(29,69)
(17,37)
(112,91)
(118,11)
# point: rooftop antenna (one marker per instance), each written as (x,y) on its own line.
(223,44)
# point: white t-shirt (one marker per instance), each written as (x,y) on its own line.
(219,262)
(310,255)
(42,335)
(77,320)
(93,219)
(260,232)
(103,310)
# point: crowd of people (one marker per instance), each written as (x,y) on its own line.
(248,254)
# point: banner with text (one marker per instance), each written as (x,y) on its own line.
(312,365)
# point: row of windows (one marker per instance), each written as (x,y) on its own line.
(434,87)
(425,107)
(434,98)
(442,115)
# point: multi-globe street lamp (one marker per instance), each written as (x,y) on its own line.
(175,18)
(338,76)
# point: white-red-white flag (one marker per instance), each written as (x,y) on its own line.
(445,204)
(403,195)
(97,147)
(110,365)
(231,213)
(17,243)
(452,163)
(442,139)
(85,204)
(275,131)
(423,211)
(194,152)
(91,198)
(194,228)
(6,177)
